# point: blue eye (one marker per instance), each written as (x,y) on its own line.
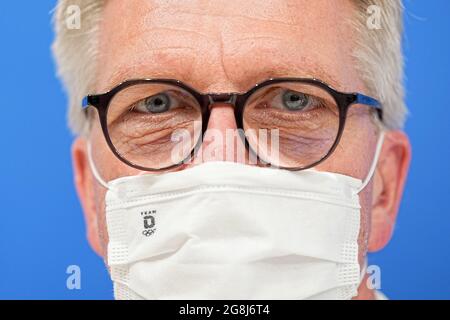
(295,101)
(155,104)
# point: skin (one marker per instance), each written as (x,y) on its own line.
(229,46)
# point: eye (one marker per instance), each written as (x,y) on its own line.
(295,101)
(157,103)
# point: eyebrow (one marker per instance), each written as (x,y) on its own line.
(305,71)
(129,73)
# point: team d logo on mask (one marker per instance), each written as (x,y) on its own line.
(148,222)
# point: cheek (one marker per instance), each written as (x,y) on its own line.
(100,193)
(106,163)
(354,154)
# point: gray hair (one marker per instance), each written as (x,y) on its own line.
(378,53)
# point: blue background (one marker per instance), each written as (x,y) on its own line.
(42,228)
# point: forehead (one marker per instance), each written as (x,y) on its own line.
(227,45)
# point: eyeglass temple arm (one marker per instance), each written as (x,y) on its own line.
(85,102)
(370,102)
(91,100)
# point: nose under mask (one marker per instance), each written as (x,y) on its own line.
(222,230)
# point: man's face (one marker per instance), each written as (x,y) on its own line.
(228,46)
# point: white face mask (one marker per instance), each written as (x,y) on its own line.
(222,230)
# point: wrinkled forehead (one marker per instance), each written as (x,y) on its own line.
(227,45)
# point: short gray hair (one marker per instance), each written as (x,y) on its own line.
(378,53)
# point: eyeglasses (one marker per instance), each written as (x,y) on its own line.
(290,123)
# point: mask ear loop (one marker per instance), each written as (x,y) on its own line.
(94,168)
(363,271)
(374,163)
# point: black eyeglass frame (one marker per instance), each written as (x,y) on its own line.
(343,100)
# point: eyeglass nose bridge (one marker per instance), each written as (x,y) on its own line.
(228,98)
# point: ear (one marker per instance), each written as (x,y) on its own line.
(389,181)
(84,185)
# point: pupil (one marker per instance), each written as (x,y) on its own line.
(158,104)
(295,100)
